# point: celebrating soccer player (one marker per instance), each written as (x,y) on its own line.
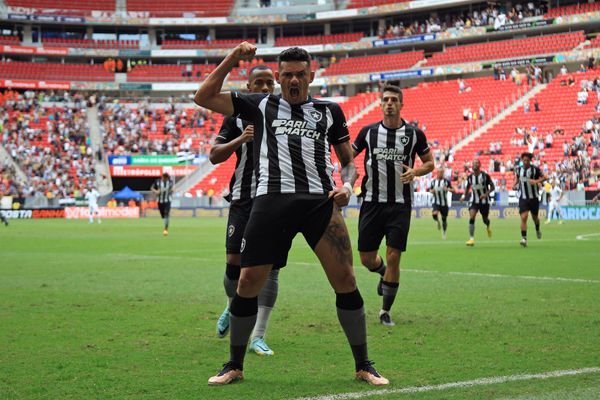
(163,189)
(527,180)
(439,188)
(481,185)
(295,192)
(92,196)
(391,146)
(236,137)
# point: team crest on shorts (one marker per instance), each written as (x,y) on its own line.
(317,115)
(243,246)
(404,140)
(230,230)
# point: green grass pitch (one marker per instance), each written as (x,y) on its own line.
(117,311)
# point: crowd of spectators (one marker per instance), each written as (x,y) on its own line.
(489,16)
(145,129)
(50,144)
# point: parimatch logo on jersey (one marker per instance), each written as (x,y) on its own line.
(291,127)
(389,154)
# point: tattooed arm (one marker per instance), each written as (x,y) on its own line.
(341,195)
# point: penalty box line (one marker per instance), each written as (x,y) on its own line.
(456,385)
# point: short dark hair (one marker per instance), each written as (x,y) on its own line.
(393,89)
(294,54)
(528,155)
(259,67)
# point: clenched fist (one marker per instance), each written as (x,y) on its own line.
(244,51)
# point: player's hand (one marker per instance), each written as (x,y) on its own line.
(408,175)
(244,51)
(248,134)
(483,197)
(341,196)
(462,199)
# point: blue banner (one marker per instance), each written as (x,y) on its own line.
(584,213)
(119,160)
(401,74)
(403,40)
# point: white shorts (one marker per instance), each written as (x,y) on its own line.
(94,209)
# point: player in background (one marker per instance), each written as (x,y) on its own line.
(391,147)
(439,188)
(293,136)
(236,137)
(481,185)
(163,189)
(3,219)
(556,195)
(527,181)
(92,196)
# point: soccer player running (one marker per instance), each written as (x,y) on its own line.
(439,188)
(163,189)
(236,137)
(527,180)
(295,193)
(481,185)
(387,187)
(556,195)
(3,219)
(92,196)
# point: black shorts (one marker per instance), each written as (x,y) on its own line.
(531,205)
(274,222)
(377,220)
(239,212)
(442,209)
(484,209)
(165,209)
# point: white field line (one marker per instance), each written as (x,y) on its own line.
(456,385)
(481,274)
(585,237)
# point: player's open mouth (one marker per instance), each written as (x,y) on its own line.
(294,92)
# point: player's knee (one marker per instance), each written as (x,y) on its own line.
(393,257)
(249,284)
(471,221)
(345,281)
(369,260)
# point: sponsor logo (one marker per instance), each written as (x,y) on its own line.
(243,246)
(291,127)
(230,230)
(389,154)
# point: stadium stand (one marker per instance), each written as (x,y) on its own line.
(49,144)
(150,130)
(10,40)
(54,71)
(560,116)
(90,43)
(200,8)
(71,7)
(318,39)
(386,62)
(508,48)
(595,42)
(573,9)
(370,3)
(203,44)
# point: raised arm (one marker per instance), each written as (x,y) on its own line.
(209,94)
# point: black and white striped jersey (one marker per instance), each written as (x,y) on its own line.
(165,188)
(527,190)
(292,142)
(386,150)
(242,185)
(440,196)
(479,184)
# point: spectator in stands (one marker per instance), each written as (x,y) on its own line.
(582,97)
(526,106)
(536,106)
(461,85)
(564,70)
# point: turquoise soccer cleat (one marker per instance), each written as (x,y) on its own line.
(259,347)
(223,324)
